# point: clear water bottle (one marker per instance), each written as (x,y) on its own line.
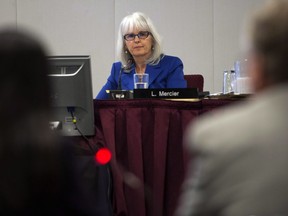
(229,82)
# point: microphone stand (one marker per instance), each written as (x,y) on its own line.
(119,93)
(120,79)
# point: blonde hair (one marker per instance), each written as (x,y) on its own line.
(140,22)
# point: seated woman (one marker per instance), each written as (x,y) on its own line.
(140,51)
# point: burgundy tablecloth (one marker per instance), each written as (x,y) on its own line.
(146,140)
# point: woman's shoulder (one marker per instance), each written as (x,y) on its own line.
(117,64)
(116,67)
(168,58)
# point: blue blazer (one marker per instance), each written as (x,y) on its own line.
(168,73)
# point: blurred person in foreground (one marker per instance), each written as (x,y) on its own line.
(140,50)
(242,152)
(36,171)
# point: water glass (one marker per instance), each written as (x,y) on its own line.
(229,82)
(243,80)
(141,81)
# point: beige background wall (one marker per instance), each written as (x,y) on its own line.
(203,33)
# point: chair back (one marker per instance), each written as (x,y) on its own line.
(195,81)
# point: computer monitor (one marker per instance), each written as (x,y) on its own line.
(71,95)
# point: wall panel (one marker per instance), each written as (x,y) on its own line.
(74,27)
(228,26)
(8,13)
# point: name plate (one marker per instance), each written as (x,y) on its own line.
(166,93)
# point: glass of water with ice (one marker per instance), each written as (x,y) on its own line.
(141,81)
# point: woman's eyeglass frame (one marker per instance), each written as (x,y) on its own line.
(140,35)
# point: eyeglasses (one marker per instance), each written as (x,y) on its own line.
(140,35)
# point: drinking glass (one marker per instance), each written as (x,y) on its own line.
(141,81)
(243,80)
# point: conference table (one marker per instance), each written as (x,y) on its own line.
(149,157)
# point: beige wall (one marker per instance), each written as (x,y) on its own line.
(203,33)
(8,12)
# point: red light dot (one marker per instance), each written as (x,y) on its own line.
(103,156)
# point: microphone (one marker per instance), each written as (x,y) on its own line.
(120,74)
(120,78)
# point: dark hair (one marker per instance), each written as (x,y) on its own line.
(30,167)
(269,39)
(23,73)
